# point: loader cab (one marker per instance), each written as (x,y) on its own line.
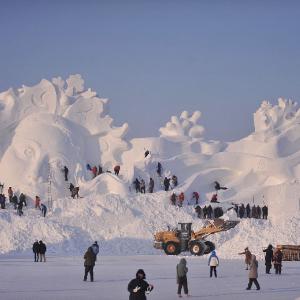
(185,231)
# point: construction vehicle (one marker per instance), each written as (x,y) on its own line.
(290,252)
(173,242)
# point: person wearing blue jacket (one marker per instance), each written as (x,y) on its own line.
(213,262)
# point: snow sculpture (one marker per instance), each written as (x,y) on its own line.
(184,126)
(268,118)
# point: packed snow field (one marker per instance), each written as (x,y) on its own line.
(61,278)
(59,122)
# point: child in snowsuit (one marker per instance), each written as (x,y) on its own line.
(138,287)
(213,262)
(253,273)
(181,271)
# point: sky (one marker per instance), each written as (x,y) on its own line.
(154,59)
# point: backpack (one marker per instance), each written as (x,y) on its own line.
(214,261)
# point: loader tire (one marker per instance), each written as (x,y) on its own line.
(172,248)
(197,248)
(210,246)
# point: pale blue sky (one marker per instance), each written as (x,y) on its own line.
(154,59)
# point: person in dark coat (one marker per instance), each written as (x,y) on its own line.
(20,209)
(66,172)
(138,287)
(95,248)
(22,199)
(181,271)
(2,201)
(147,152)
(151,185)
(14,200)
(265,212)
(173,199)
(117,170)
(268,258)
(137,185)
(198,211)
(89,263)
(258,212)
(10,194)
(204,210)
(100,170)
(159,169)
(71,187)
(241,211)
(196,197)
(75,192)
(167,183)
(43,209)
(143,186)
(209,212)
(42,251)
(254,212)
(277,261)
(248,210)
(36,250)
(174,180)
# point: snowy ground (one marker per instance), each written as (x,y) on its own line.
(61,278)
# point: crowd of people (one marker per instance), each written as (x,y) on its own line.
(255,212)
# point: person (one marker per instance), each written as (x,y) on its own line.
(137,185)
(248,210)
(204,210)
(71,187)
(117,170)
(37,202)
(151,185)
(2,201)
(88,167)
(248,255)
(241,211)
(36,250)
(42,251)
(100,170)
(173,199)
(218,212)
(10,194)
(22,199)
(180,199)
(75,192)
(143,186)
(268,258)
(219,187)
(159,169)
(181,271)
(198,211)
(209,212)
(66,172)
(89,263)
(196,197)
(174,180)
(214,198)
(14,200)
(254,212)
(43,209)
(1,188)
(95,248)
(147,152)
(167,183)
(20,208)
(94,171)
(253,274)
(277,260)
(139,287)
(258,212)
(213,262)
(265,212)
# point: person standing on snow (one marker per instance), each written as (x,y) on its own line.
(213,262)
(20,208)
(44,210)
(167,183)
(159,169)
(277,260)
(36,250)
(253,273)
(42,251)
(268,258)
(66,172)
(143,186)
(181,271)
(151,185)
(117,170)
(89,262)
(138,287)
(10,194)
(196,197)
(37,202)
(248,256)
(180,199)
(137,185)
(248,210)
(22,199)
(265,212)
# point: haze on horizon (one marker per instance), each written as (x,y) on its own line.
(154,59)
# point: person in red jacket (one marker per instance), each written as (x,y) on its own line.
(196,197)
(94,171)
(117,170)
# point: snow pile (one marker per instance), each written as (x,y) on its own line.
(58,122)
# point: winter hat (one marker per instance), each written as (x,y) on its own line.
(140,272)
(213,252)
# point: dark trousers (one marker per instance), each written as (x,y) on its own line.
(36,256)
(66,176)
(277,269)
(251,280)
(182,282)
(89,269)
(213,268)
(268,268)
